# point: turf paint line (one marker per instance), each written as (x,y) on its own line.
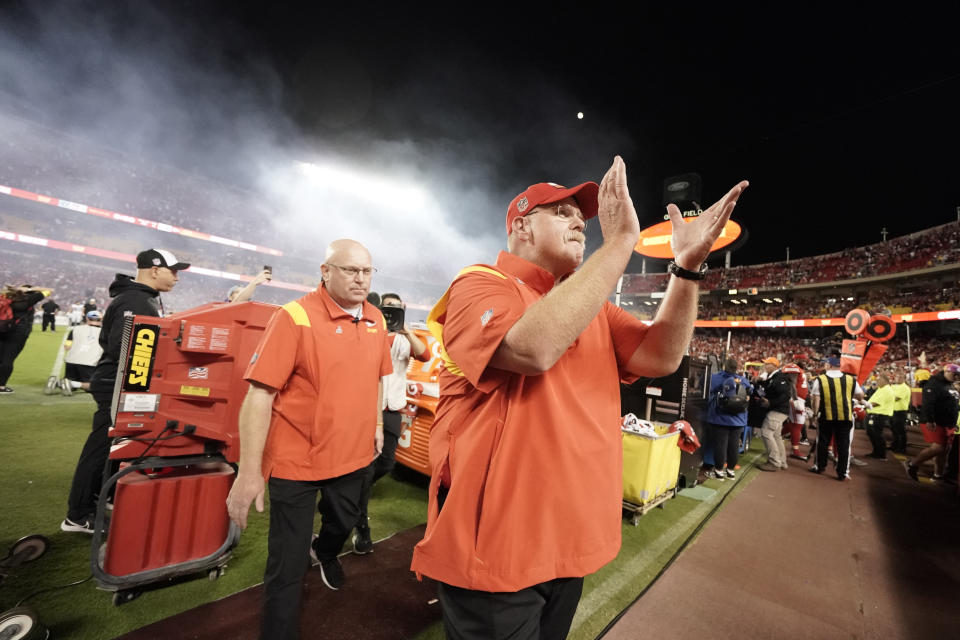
(626,574)
(699,493)
(61,354)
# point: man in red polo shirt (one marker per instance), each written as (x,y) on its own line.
(525,494)
(311,422)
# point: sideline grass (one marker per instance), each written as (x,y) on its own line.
(42,437)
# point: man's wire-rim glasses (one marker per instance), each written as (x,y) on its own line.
(352,272)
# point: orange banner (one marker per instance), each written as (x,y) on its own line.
(654,241)
(926,316)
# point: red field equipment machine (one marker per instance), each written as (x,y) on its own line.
(423,392)
(175,406)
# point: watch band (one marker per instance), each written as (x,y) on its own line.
(686,274)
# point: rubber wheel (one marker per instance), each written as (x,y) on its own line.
(24,550)
(124,596)
(21,623)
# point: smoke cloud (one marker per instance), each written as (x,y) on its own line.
(446,139)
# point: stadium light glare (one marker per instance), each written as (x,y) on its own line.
(366,186)
(777,300)
(768,300)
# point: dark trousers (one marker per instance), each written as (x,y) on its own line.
(952,458)
(384,463)
(11,344)
(292,503)
(726,445)
(543,611)
(49,319)
(899,428)
(88,476)
(839,431)
(876,423)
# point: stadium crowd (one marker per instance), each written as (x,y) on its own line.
(752,345)
(924,249)
(39,159)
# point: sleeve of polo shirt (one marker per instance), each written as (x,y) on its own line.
(481,309)
(627,333)
(276,355)
(386,360)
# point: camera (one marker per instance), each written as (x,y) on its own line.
(393,317)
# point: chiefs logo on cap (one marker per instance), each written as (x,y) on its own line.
(522,204)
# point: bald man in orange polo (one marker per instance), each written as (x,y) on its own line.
(525,495)
(311,422)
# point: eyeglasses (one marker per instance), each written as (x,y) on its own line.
(352,272)
(565,212)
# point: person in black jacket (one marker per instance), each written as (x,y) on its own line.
(156,272)
(778,390)
(22,299)
(49,315)
(938,413)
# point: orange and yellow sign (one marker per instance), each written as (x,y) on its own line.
(654,241)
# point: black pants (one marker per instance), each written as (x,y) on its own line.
(543,611)
(89,474)
(292,503)
(726,445)
(876,423)
(49,319)
(952,458)
(899,428)
(839,431)
(11,344)
(79,372)
(384,463)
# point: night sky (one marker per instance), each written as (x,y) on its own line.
(844,120)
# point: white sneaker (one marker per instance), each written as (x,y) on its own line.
(66,389)
(84,526)
(730,473)
(314,560)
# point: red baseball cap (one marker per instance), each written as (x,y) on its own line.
(586,195)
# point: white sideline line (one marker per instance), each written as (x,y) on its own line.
(61,353)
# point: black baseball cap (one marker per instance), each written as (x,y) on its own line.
(160,258)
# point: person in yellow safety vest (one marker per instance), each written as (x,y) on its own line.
(880,416)
(900,408)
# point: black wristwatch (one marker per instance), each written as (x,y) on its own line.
(686,274)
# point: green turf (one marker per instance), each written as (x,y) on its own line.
(42,437)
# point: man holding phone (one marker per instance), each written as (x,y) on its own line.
(243,294)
